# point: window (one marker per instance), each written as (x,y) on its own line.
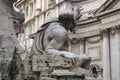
(33,28)
(31,42)
(25,44)
(26,32)
(30,30)
(94,72)
(26,11)
(31,8)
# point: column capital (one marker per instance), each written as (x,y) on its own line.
(105,32)
(117,29)
(82,40)
(74,40)
(106,54)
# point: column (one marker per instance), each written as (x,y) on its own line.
(106,55)
(57,11)
(38,10)
(38,6)
(36,23)
(43,17)
(117,37)
(81,45)
(43,5)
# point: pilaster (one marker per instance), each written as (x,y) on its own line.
(82,46)
(117,38)
(106,54)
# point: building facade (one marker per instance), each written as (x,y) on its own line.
(97,33)
(37,11)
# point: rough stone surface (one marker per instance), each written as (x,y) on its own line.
(11,67)
(52,66)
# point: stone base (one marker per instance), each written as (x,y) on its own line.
(71,78)
(67,75)
(57,68)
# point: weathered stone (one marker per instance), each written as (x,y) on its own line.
(11,67)
(52,66)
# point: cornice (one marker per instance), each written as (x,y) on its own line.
(29,20)
(98,17)
(103,7)
(80,1)
(109,12)
(106,6)
(88,21)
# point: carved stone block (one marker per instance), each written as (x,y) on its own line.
(51,66)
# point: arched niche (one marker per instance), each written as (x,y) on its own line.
(50,14)
(96,71)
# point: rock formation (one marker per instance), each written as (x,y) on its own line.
(11,67)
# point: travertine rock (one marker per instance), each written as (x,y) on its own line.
(11,67)
(52,66)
